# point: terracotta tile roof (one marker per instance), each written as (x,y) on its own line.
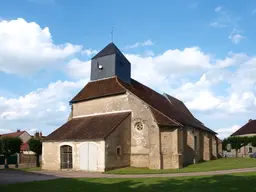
(96,89)
(14,134)
(178,104)
(165,111)
(89,127)
(248,128)
(162,119)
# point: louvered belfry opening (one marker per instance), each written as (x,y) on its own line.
(66,157)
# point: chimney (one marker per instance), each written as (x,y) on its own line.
(40,134)
(250,120)
(18,130)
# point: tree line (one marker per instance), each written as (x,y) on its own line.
(237,142)
(11,145)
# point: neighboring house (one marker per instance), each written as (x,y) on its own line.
(24,136)
(115,121)
(249,129)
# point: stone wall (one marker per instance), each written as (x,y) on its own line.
(51,155)
(214,147)
(119,138)
(207,147)
(166,147)
(191,155)
(170,147)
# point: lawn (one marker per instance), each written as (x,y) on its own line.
(235,182)
(219,164)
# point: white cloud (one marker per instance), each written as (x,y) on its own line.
(236,36)
(42,110)
(140,44)
(204,100)
(222,20)
(89,52)
(41,104)
(4,131)
(218,9)
(226,132)
(27,48)
(79,69)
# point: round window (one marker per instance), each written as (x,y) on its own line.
(139,126)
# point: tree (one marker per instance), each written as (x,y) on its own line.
(35,145)
(224,144)
(253,141)
(9,146)
(238,142)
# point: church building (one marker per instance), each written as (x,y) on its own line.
(115,121)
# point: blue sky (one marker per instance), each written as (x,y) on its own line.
(202,52)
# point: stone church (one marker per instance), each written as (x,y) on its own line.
(115,121)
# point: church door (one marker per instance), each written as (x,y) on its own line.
(88,156)
(66,160)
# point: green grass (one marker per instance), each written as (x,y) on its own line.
(236,182)
(219,164)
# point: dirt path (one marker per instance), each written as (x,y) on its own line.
(81,174)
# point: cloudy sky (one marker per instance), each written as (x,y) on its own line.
(202,52)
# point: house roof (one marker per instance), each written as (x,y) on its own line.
(248,128)
(13,134)
(162,109)
(89,127)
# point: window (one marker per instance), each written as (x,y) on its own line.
(195,142)
(139,126)
(250,150)
(118,151)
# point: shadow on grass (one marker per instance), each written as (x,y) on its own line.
(192,184)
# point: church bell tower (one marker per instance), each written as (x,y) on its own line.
(110,62)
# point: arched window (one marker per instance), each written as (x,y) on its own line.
(66,160)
